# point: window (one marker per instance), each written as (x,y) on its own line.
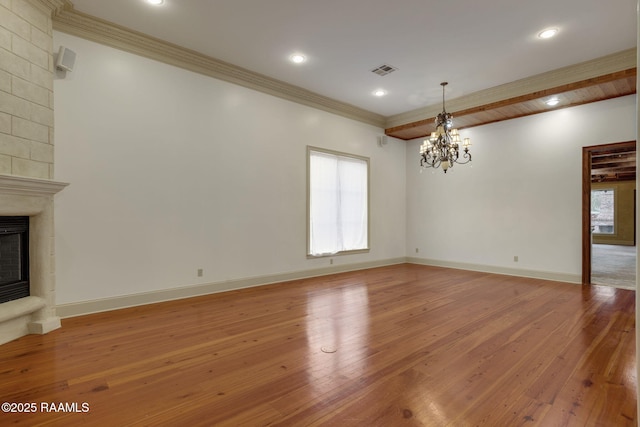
(603,211)
(338,202)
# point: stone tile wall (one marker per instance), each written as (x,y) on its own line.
(26,89)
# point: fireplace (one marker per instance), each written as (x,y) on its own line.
(27,205)
(14,257)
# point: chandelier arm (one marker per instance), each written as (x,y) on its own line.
(429,160)
(467,156)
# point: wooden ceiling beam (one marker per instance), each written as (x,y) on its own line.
(622,154)
(552,92)
(606,86)
(613,178)
(613,160)
(613,171)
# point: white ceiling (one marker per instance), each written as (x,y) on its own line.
(472,44)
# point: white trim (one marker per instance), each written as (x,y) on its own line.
(71,21)
(535,274)
(133,300)
(114,303)
(50,7)
(24,186)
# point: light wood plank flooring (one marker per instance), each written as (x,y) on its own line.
(405,345)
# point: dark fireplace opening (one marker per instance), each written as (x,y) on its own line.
(14,257)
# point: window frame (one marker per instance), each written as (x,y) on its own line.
(368,207)
(613,191)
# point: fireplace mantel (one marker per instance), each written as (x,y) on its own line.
(32,197)
(23,186)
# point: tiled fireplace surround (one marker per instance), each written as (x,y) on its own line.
(35,314)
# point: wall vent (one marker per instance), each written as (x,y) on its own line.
(384,69)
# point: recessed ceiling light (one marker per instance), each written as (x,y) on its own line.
(379,92)
(548,33)
(297,58)
(553,101)
(155,2)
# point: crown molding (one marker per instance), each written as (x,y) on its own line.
(50,7)
(620,61)
(71,21)
(68,20)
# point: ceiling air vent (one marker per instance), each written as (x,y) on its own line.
(384,69)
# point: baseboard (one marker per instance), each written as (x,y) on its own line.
(125,301)
(133,300)
(535,274)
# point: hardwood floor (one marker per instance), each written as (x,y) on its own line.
(404,345)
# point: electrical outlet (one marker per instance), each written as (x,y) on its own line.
(200,272)
(515,258)
(330,260)
(417,250)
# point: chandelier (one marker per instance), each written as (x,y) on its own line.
(442,148)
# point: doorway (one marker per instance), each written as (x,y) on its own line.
(608,214)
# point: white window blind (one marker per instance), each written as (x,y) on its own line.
(338,202)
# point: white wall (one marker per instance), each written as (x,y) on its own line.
(521,197)
(172,171)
